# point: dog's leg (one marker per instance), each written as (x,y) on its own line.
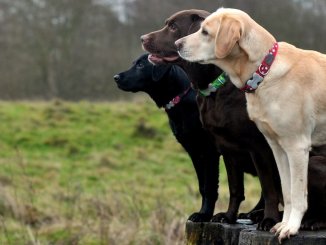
(269,189)
(236,187)
(298,154)
(284,171)
(257,213)
(205,159)
(313,218)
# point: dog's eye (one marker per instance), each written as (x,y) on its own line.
(140,65)
(204,32)
(173,27)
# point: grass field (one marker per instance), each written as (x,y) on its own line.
(96,173)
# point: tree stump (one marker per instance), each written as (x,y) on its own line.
(242,234)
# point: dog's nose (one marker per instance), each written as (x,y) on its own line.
(116,78)
(144,39)
(179,44)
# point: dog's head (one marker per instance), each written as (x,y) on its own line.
(141,76)
(161,43)
(219,37)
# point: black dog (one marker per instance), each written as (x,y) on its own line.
(169,87)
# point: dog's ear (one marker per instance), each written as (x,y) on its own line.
(159,71)
(227,35)
(196,19)
(199,16)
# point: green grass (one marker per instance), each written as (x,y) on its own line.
(104,173)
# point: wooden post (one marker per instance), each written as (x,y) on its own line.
(254,237)
(241,234)
(214,233)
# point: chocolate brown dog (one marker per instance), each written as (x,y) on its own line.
(223,113)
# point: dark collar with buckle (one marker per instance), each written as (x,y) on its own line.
(213,86)
(258,76)
(176,99)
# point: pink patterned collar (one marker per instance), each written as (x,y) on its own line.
(258,76)
(176,99)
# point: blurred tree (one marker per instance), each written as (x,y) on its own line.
(71,49)
(57,48)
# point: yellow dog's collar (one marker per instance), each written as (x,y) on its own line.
(258,76)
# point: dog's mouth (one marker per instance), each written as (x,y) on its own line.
(159,59)
(188,57)
(126,87)
(158,56)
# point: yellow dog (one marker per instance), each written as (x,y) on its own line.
(286,95)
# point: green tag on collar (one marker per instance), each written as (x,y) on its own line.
(215,85)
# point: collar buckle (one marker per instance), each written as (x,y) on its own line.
(214,86)
(253,83)
(263,69)
(176,100)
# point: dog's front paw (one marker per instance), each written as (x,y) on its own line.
(276,227)
(287,231)
(200,217)
(243,216)
(255,216)
(224,218)
(266,224)
(313,224)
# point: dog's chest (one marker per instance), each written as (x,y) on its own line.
(226,118)
(283,117)
(254,108)
(257,113)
